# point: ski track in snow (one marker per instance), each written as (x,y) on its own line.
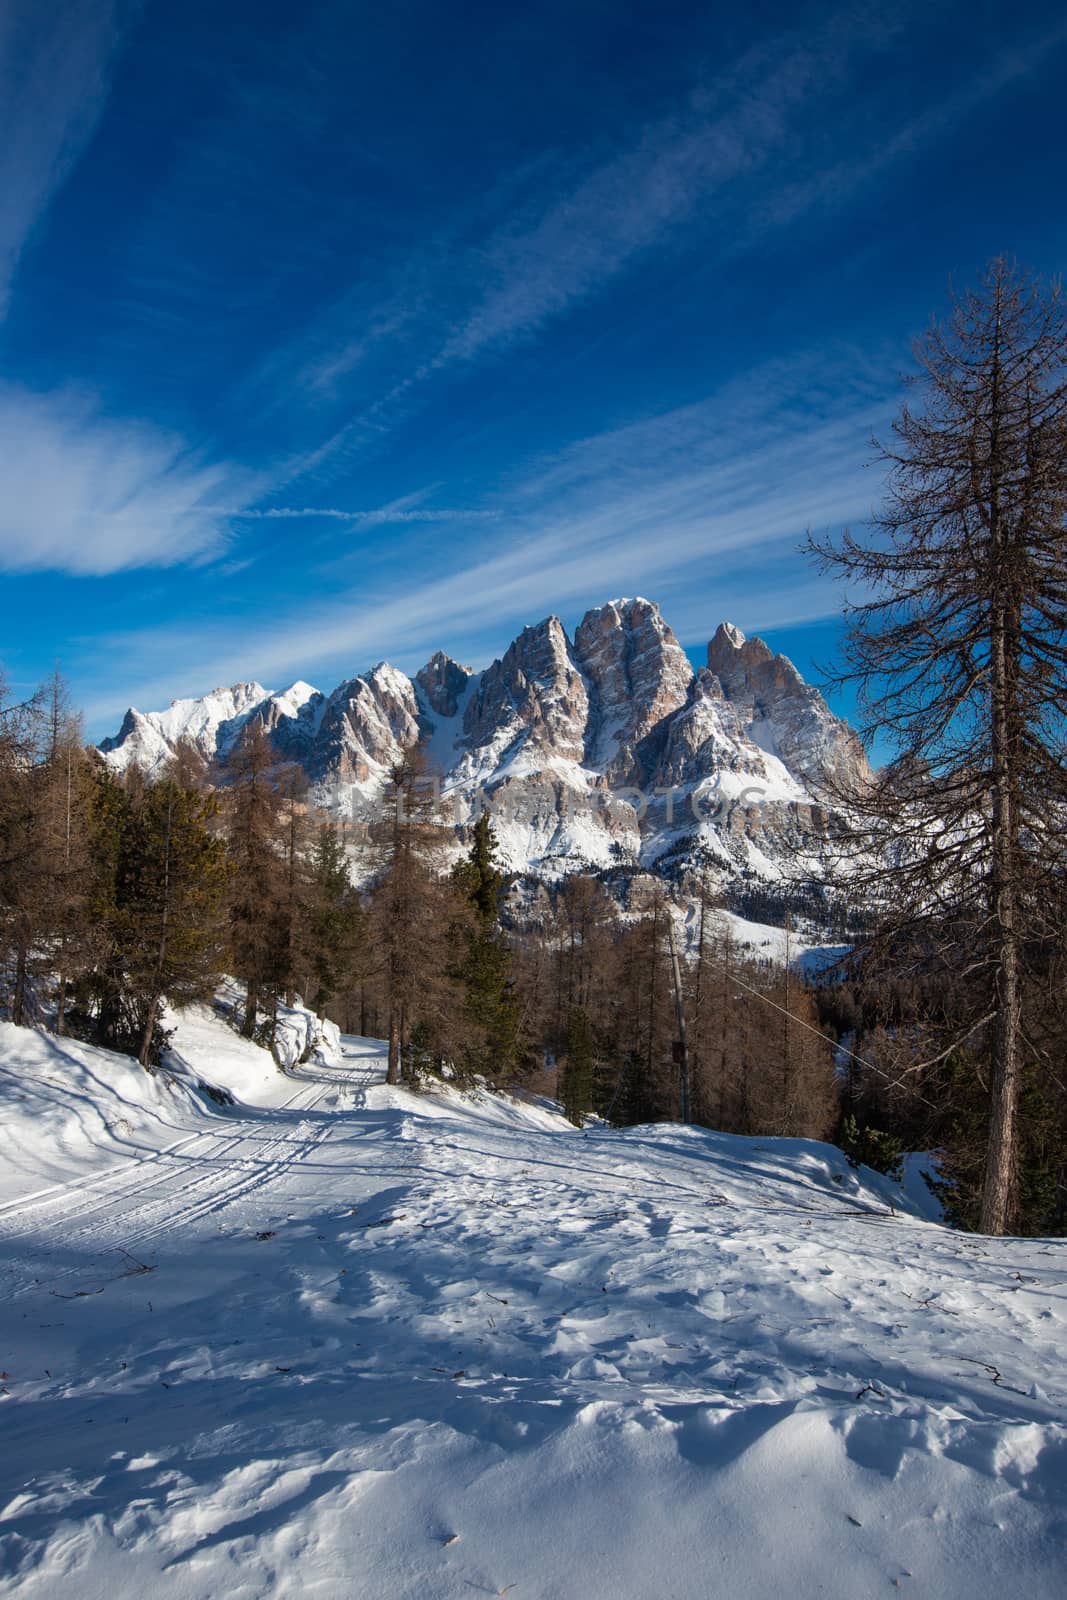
(358,1344)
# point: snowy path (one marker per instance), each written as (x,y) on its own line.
(361,1345)
(145,1198)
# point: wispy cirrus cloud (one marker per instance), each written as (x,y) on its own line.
(54,63)
(89,494)
(581,228)
(835,184)
(700,507)
(538,266)
(742,155)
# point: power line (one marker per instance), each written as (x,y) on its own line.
(767,1001)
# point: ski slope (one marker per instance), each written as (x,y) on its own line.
(338,1341)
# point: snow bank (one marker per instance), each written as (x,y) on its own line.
(299,1035)
(206,1047)
(67,1108)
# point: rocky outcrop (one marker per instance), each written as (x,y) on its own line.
(532,703)
(292,720)
(367,725)
(780,712)
(443,682)
(610,751)
(637,674)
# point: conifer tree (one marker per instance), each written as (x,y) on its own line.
(99,992)
(577,1069)
(154,907)
(172,880)
(334,934)
(65,821)
(23,748)
(43,861)
(958,647)
(295,832)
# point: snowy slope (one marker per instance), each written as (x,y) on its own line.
(367,1345)
(213,724)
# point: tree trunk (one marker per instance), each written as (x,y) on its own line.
(145,1053)
(999,1182)
(683,1038)
(18,998)
(392,1074)
(729,1034)
(998,1188)
(248,1027)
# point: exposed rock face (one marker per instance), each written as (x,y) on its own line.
(637,674)
(783,714)
(605,752)
(367,725)
(443,682)
(533,701)
(707,736)
(293,720)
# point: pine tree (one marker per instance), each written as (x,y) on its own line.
(295,833)
(577,1070)
(414,914)
(99,992)
(154,908)
(23,749)
(172,880)
(43,861)
(65,822)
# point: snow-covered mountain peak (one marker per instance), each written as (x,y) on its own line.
(209,724)
(569,734)
(533,697)
(298,694)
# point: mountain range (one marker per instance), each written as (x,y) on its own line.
(600,750)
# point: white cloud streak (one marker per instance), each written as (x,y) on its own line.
(539,268)
(379,515)
(54,62)
(90,495)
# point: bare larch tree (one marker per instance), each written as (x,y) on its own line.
(957,603)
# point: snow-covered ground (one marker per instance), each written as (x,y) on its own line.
(337,1341)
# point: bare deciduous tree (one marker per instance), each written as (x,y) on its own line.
(957,643)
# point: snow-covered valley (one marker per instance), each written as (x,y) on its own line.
(337,1340)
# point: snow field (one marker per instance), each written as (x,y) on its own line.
(339,1341)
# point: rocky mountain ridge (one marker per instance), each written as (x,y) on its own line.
(603,750)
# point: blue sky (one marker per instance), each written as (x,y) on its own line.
(338,332)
